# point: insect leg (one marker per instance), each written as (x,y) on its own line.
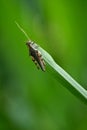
(41,59)
(33,58)
(35,62)
(43,62)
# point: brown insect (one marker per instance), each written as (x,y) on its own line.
(33,51)
(36,55)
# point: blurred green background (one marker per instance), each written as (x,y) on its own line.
(29,98)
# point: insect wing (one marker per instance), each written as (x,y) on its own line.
(40,61)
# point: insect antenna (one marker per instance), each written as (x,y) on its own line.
(22,30)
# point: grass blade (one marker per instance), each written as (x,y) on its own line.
(63,77)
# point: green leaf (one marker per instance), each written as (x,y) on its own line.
(59,73)
(63,77)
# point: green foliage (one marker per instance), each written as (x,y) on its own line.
(63,77)
(30,98)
